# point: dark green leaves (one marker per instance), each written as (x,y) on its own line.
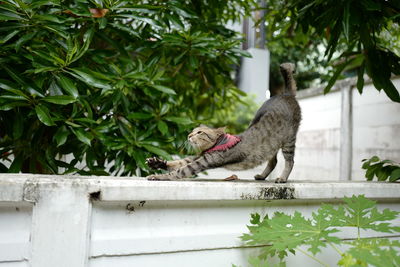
(179,120)
(381,169)
(110,89)
(68,85)
(61,135)
(163,127)
(43,114)
(59,99)
(365,29)
(164,89)
(89,78)
(82,135)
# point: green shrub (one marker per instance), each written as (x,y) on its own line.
(110,82)
(282,234)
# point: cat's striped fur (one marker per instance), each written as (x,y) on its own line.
(274,127)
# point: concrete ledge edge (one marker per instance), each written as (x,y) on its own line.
(29,187)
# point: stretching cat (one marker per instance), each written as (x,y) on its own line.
(274,127)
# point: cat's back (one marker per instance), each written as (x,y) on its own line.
(279,107)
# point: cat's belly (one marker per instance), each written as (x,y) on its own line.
(251,161)
(244,165)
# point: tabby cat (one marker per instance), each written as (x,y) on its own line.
(274,127)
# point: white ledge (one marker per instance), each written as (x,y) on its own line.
(29,188)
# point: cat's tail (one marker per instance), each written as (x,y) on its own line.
(287,70)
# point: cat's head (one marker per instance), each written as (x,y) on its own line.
(203,137)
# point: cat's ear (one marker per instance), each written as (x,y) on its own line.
(203,125)
(222,129)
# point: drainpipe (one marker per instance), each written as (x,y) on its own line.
(346,134)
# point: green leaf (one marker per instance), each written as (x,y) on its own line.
(13,74)
(164,89)
(395,175)
(67,85)
(391,91)
(59,99)
(360,78)
(283,233)
(16,165)
(83,136)
(139,157)
(346,20)
(7,85)
(13,97)
(44,115)
(380,252)
(347,260)
(179,120)
(4,39)
(89,79)
(12,105)
(61,136)
(335,76)
(87,39)
(372,171)
(102,23)
(374,159)
(363,214)
(21,41)
(5,15)
(163,127)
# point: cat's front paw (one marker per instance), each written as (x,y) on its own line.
(280,180)
(156,163)
(158,177)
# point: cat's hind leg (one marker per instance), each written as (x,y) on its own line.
(288,155)
(270,167)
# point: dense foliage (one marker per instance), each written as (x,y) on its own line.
(109,81)
(357,35)
(282,234)
(381,169)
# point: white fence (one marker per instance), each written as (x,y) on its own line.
(74,221)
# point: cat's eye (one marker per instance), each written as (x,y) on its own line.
(199,132)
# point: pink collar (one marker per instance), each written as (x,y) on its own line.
(225,142)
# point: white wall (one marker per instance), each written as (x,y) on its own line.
(376,127)
(254,74)
(76,221)
(318,141)
(15,231)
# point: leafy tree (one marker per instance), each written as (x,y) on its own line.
(362,35)
(110,82)
(282,234)
(288,43)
